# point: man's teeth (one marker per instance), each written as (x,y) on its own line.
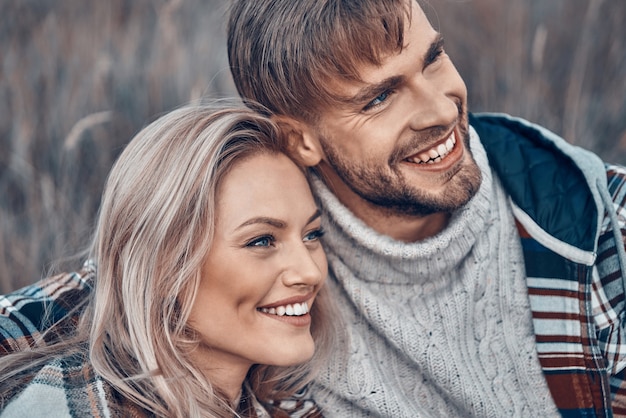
(296,309)
(435,154)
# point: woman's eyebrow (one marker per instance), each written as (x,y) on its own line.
(313,217)
(277,223)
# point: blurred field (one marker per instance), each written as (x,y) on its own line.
(79,78)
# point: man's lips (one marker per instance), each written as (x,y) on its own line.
(437,153)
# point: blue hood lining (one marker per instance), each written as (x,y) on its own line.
(542,180)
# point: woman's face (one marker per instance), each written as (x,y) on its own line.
(264,270)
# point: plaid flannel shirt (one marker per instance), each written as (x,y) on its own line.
(69,387)
(584,362)
(54,299)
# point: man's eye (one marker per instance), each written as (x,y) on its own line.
(378,100)
(264,241)
(314,235)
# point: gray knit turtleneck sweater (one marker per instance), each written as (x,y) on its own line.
(437,328)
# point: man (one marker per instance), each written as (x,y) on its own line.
(478,261)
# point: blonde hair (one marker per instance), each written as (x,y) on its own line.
(283,54)
(154,230)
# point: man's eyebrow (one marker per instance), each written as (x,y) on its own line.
(371,91)
(435,48)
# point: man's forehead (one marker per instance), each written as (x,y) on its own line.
(418,39)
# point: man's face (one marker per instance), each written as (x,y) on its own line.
(398,145)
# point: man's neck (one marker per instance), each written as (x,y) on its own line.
(404,228)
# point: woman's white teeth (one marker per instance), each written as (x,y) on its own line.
(295,309)
(436,154)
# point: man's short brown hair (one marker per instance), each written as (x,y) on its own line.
(282,53)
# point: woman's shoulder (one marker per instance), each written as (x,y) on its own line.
(64,386)
(299,405)
(27,313)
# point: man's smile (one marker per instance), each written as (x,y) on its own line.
(435,154)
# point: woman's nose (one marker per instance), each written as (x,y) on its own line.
(305,267)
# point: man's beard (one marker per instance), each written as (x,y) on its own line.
(395,196)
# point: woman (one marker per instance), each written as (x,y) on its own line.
(208,264)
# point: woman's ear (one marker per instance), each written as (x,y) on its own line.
(302,141)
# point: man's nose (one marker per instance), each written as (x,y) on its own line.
(435,100)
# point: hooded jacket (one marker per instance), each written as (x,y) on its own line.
(569,209)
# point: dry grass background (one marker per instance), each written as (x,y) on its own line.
(78,78)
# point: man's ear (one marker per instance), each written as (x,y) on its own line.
(302,141)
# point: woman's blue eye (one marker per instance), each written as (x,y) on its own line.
(314,235)
(261,242)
